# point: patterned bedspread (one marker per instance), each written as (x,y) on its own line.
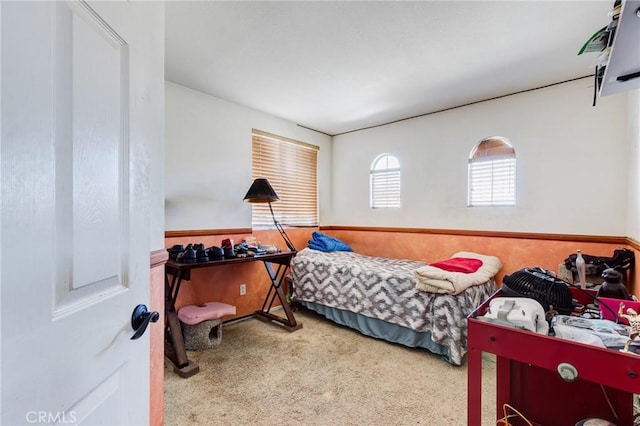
(385,289)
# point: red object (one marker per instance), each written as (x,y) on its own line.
(459,264)
(614,305)
(527,376)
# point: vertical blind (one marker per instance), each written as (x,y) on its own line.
(385,182)
(492,174)
(291,168)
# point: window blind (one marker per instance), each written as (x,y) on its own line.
(291,168)
(492,174)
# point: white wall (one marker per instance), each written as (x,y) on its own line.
(572,162)
(208,159)
(154,55)
(634,166)
(578,165)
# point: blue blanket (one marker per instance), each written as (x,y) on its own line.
(322,242)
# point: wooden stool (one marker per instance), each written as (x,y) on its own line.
(202,324)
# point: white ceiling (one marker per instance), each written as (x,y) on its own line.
(338,66)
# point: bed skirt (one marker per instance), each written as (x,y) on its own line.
(380,329)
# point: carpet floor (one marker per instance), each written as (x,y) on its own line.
(322,374)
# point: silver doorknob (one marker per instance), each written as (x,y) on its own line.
(140,319)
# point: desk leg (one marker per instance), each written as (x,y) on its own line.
(474,387)
(277,277)
(174,349)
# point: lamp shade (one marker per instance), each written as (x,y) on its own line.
(261,192)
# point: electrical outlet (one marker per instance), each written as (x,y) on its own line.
(243,289)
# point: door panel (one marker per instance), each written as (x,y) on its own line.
(74,218)
(99,146)
(90,82)
(101,405)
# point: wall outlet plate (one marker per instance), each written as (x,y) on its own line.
(243,289)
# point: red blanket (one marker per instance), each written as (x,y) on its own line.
(459,264)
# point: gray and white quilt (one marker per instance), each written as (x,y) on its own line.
(385,289)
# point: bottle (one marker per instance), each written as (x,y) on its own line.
(582,270)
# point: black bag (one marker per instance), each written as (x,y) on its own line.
(622,260)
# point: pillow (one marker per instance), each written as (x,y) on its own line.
(459,264)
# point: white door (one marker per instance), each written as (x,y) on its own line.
(76,120)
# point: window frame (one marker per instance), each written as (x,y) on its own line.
(384,191)
(495,162)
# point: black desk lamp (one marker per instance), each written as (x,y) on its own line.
(262,192)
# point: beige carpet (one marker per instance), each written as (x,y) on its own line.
(322,374)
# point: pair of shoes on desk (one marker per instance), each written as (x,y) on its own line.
(175,251)
(215,253)
(201,253)
(189,255)
(192,253)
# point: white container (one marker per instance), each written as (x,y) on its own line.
(582,270)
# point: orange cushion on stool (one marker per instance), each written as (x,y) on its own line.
(194,314)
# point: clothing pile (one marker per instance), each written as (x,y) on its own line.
(456,274)
(322,242)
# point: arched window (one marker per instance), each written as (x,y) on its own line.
(385,182)
(492,173)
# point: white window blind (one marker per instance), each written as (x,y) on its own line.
(385,182)
(291,168)
(492,173)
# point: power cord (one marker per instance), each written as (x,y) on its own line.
(504,421)
(606,397)
(591,295)
(596,299)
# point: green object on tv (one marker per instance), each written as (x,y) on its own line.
(597,42)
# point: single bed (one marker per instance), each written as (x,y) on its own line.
(379,297)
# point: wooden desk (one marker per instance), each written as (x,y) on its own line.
(176,272)
(527,376)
